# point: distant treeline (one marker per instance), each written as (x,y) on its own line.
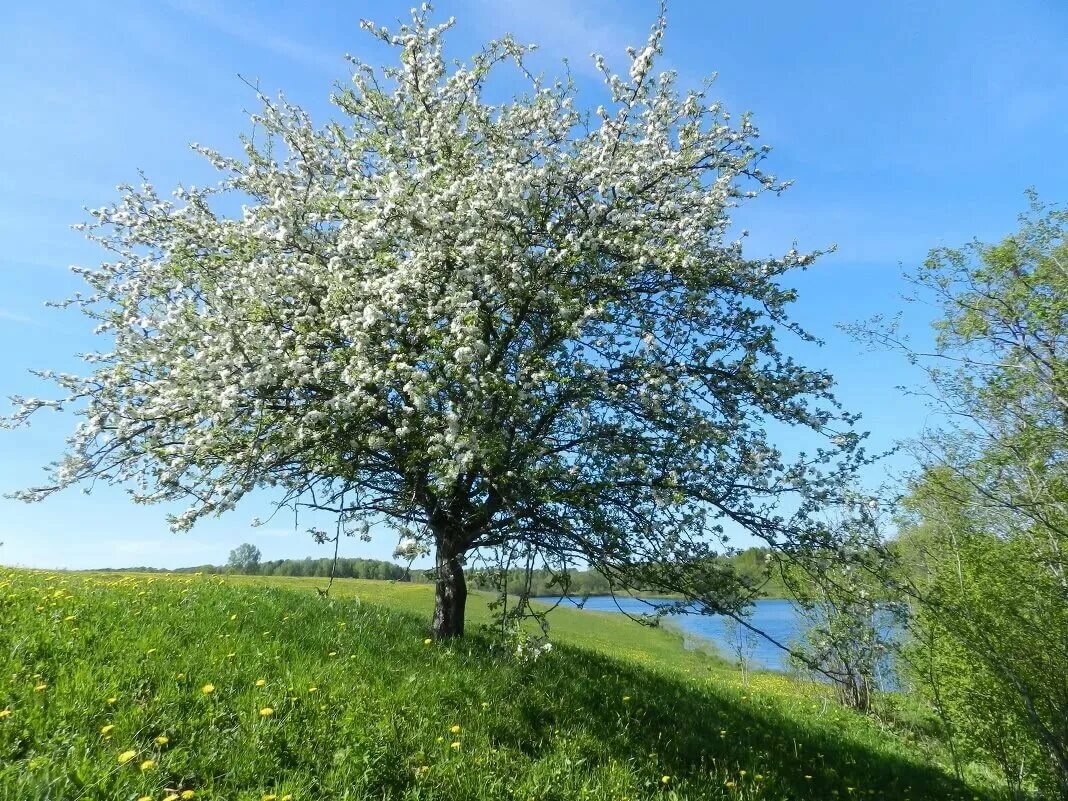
(346,568)
(750,563)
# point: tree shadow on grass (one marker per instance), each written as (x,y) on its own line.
(706,734)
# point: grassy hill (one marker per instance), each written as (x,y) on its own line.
(166,687)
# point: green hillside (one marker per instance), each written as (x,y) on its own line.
(166,687)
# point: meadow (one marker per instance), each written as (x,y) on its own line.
(168,688)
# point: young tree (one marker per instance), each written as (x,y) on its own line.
(987,515)
(245,558)
(518,325)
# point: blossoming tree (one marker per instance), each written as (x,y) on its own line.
(519,327)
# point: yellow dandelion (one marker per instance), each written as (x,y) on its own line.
(233,617)
(269,797)
(260,682)
(162,740)
(171,797)
(455,745)
(148,764)
(313,689)
(106,730)
(145,798)
(741,773)
(455,729)
(5,713)
(427,641)
(208,689)
(665,780)
(40,688)
(126,756)
(485,704)
(730,784)
(286,797)
(440,740)
(266,712)
(187,794)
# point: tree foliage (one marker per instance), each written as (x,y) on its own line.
(245,558)
(986,534)
(518,327)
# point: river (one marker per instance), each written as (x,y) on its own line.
(780,619)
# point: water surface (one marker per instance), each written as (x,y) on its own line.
(779,619)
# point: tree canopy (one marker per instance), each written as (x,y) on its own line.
(244,558)
(986,533)
(525,328)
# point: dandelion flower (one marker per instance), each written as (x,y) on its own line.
(427,641)
(162,740)
(40,688)
(188,794)
(106,730)
(145,798)
(455,745)
(455,729)
(171,797)
(313,689)
(260,682)
(665,780)
(126,756)
(5,713)
(208,689)
(266,712)
(148,764)
(332,653)
(233,617)
(269,797)
(286,797)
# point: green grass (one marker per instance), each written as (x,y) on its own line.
(362,708)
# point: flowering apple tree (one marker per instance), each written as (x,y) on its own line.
(519,327)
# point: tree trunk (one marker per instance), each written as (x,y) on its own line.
(450,592)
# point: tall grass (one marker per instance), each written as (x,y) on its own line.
(138,687)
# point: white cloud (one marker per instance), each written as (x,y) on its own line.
(246,28)
(13,317)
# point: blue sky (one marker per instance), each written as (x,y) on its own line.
(906,125)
